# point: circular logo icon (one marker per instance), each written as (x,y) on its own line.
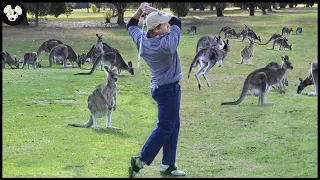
(13,13)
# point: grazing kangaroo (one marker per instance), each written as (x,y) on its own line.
(192,30)
(287,31)
(260,80)
(7,59)
(283,42)
(230,33)
(299,30)
(224,29)
(31,58)
(102,101)
(273,37)
(63,52)
(247,52)
(47,46)
(208,57)
(311,79)
(249,33)
(118,61)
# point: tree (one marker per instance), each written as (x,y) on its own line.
(251,8)
(263,7)
(179,9)
(94,8)
(282,5)
(220,7)
(69,10)
(121,8)
(57,8)
(36,9)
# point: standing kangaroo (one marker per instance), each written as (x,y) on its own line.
(65,52)
(260,80)
(247,52)
(273,37)
(117,62)
(31,58)
(311,79)
(7,59)
(47,46)
(102,101)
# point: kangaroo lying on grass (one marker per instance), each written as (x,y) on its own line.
(7,59)
(102,101)
(260,80)
(312,78)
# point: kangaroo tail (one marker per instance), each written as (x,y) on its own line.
(95,64)
(195,61)
(85,125)
(242,96)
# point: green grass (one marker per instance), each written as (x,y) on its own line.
(246,140)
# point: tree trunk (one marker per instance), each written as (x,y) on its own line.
(251,10)
(219,9)
(291,5)
(120,17)
(211,7)
(36,20)
(282,5)
(269,8)
(275,6)
(25,22)
(88,9)
(201,8)
(263,11)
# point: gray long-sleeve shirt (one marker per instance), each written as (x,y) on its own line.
(161,55)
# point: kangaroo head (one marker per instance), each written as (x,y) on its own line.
(99,38)
(290,47)
(303,84)
(16,62)
(226,45)
(38,64)
(111,73)
(130,68)
(286,64)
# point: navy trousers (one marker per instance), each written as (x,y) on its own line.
(166,133)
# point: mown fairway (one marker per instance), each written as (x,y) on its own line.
(246,140)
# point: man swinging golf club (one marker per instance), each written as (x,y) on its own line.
(159,50)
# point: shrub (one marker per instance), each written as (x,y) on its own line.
(94,8)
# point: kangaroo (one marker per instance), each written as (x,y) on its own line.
(283,42)
(31,58)
(192,30)
(250,33)
(311,79)
(285,31)
(230,33)
(273,37)
(260,80)
(118,61)
(208,57)
(7,59)
(64,52)
(209,41)
(247,52)
(275,65)
(102,101)
(299,30)
(224,29)
(47,46)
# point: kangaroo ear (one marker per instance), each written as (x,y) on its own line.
(97,35)
(130,64)
(106,69)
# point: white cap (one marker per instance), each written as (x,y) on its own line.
(157,17)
